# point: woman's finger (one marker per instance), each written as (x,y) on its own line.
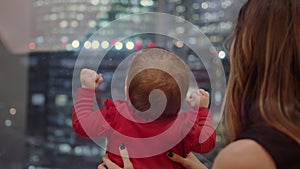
(196,162)
(101,166)
(177,158)
(192,156)
(110,165)
(125,157)
(190,162)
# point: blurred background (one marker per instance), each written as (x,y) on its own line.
(40,41)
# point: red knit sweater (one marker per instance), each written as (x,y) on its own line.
(147,143)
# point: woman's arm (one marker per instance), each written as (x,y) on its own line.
(244,154)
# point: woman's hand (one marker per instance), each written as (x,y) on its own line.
(190,162)
(108,164)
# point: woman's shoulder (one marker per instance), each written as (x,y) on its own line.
(244,154)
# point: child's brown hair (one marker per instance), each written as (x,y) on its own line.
(157,68)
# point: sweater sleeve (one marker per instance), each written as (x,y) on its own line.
(89,123)
(202,136)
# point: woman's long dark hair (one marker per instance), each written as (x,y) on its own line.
(264,78)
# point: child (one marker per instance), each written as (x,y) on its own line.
(146,113)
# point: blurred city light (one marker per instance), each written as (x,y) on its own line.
(104,44)
(87,45)
(129,45)
(222,54)
(75,44)
(95,44)
(118,45)
(12,111)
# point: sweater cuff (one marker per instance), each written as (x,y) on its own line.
(86,94)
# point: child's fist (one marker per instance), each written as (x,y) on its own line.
(199,98)
(90,79)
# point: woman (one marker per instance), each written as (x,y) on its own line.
(262,108)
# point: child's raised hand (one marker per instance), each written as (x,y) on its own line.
(199,98)
(90,79)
